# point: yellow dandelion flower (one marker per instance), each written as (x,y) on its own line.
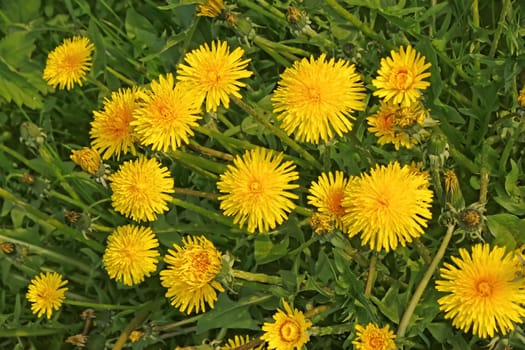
(88,159)
(256,188)
(131,254)
(45,293)
(315,99)
(210,8)
(321,223)
(140,189)
(135,336)
(521,97)
(166,115)
(390,206)
(239,341)
(190,274)
(111,131)
(213,74)
(289,331)
(372,337)
(400,77)
(483,292)
(69,63)
(327,196)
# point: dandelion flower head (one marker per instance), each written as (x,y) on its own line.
(256,189)
(46,293)
(327,196)
(389,206)
(210,8)
(289,331)
(131,254)
(238,341)
(213,73)
(483,291)
(315,98)
(88,159)
(372,337)
(111,131)
(140,189)
(400,78)
(166,114)
(190,274)
(69,63)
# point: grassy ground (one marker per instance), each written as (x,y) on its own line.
(56,217)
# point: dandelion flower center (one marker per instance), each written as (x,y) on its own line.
(290,331)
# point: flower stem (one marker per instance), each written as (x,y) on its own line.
(209,151)
(424,282)
(278,132)
(96,305)
(205,212)
(371,275)
(356,22)
(194,193)
(329,330)
(257,277)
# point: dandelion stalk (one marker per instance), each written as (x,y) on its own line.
(356,22)
(257,277)
(204,212)
(97,305)
(371,276)
(194,193)
(278,132)
(209,151)
(505,10)
(424,282)
(329,330)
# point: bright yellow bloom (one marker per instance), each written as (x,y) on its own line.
(69,63)
(372,337)
(483,291)
(140,189)
(400,77)
(256,188)
(135,336)
(210,8)
(88,159)
(289,331)
(111,131)
(213,74)
(327,195)
(239,341)
(315,98)
(401,126)
(190,274)
(521,97)
(45,293)
(131,254)
(166,115)
(390,206)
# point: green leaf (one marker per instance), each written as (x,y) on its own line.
(266,251)
(441,331)
(227,314)
(508,229)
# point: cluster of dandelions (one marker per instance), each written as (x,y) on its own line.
(315,100)
(401,118)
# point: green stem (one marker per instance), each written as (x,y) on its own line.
(424,282)
(79,204)
(120,76)
(506,8)
(463,161)
(329,330)
(30,332)
(194,193)
(177,324)
(356,22)
(204,212)
(371,276)
(484,174)
(188,158)
(209,151)
(257,277)
(278,132)
(225,140)
(46,220)
(67,261)
(136,322)
(96,305)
